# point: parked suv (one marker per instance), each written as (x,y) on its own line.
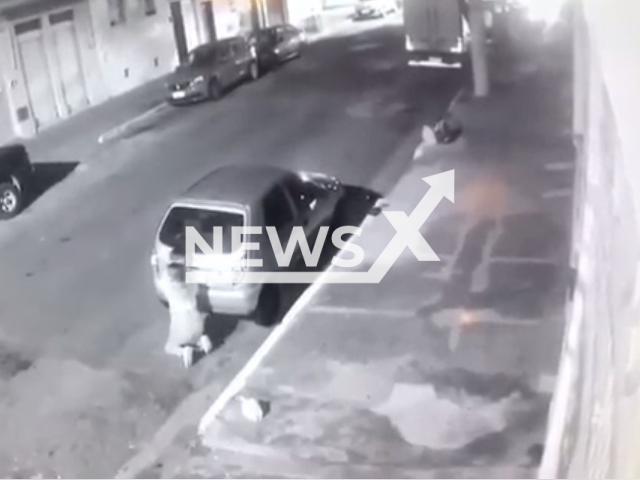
(211,68)
(275,45)
(243,196)
(15,175)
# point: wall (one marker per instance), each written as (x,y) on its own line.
(139,49)
(13,81)
(301,12)
(594,425)
(6,126)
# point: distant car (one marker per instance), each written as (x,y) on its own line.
(16,173)
(244,196)
(275,45)
(375,9)
(210,69)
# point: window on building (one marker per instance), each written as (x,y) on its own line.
(150,7)
(117,11)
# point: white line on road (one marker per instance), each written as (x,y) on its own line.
(520,260)
(560,193)
(370,312)
(238,383)
(559,166)
(122,128)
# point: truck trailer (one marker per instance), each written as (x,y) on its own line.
(437,33)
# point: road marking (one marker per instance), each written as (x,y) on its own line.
(530,260)
(559,166)
(369,312)
(560,193)
(546,383)
(239,381)
(480,278)
(121,129)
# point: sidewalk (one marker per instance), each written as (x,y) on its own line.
(444,369)
(76,139)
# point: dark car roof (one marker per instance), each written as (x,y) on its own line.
(239,184)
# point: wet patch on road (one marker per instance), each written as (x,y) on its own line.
(12,363)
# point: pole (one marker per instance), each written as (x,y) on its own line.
(478,49)
(209,20)
(178,31)
(256,23)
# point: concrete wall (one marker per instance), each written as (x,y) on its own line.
(301,12)
(594,427)
(13,81)
(6,126)
(137,50)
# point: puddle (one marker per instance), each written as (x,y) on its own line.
(427,419)
(12,363)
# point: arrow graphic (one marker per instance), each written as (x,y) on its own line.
(408,235)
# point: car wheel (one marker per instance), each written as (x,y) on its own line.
(254,71)
(215,89)
(11,200)
(268,306)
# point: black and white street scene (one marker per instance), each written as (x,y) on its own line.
(319,239)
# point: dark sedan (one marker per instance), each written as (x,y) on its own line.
(278,44)
(210,69)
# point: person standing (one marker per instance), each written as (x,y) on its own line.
(187,321)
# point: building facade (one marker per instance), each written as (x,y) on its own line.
(594,426)
(58,57)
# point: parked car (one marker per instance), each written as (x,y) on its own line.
(15,175)
(375,9)
(211,68)
(244,196)
(275,45)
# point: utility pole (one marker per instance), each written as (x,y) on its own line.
(256,15)
(209,20)
(178,31)
(478,49)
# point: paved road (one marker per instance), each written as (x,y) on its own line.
(84,381)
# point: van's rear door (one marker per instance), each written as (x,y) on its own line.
(433,26)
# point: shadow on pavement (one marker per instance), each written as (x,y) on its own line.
(46,175)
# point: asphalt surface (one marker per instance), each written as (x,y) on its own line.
(84,381)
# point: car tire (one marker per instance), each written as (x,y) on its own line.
(11,200)
(215,90)
(254,71)
(268,309)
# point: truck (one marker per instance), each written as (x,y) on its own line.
(16,172)
(436,33)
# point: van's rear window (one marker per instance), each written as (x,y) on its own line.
(173,230)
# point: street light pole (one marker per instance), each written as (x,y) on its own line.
(256,15)
(479,64)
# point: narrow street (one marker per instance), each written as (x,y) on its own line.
(84,380)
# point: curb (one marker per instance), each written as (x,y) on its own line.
(123,128)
